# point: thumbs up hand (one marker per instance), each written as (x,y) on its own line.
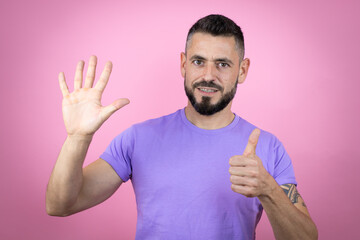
(247,173)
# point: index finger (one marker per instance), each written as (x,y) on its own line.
(241,161)
(104,77)
(63,86)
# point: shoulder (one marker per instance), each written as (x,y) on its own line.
(150,125)
(146,130)
(266,138)
(153,126)
(157,122)
(269,147)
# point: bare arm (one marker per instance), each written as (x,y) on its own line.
(71,188)
(288,214)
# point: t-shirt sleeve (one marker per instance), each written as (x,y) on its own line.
(283,168)
(118,154)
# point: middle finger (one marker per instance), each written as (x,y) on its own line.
(78,75)
(90,74)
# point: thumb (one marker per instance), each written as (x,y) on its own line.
(250,150)
(116,105)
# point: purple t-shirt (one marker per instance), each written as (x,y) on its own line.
(180,175)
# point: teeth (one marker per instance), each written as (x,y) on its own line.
(207,90)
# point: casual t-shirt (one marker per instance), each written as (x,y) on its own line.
(180,175)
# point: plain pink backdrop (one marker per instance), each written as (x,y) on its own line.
(303,86)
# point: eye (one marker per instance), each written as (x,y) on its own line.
(198,62)
(223,65)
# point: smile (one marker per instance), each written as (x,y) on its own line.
(207,90)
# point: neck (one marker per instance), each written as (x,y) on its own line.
(217,120)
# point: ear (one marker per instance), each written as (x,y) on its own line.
(243,71)
(182,62)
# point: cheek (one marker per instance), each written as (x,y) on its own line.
(229,79)
(192,73)
(191,77)
(187,82)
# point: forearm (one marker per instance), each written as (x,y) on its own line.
(66,179)
(287,221)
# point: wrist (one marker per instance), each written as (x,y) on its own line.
(271,188)
(77,144)
(79,138)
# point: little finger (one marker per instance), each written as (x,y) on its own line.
(244,181)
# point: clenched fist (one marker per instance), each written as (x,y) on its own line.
(247,173)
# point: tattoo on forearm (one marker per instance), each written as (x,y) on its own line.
(293,194)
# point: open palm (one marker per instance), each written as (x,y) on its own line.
(82,110)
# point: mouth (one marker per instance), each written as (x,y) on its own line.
(207,91)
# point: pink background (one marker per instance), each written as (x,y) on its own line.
(303,86)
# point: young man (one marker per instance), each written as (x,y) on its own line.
(202,172)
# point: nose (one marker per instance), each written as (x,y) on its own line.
(210,72)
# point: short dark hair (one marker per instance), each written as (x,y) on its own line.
(218,25)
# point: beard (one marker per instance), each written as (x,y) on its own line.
(205,107)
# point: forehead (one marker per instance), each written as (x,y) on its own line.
(209,46)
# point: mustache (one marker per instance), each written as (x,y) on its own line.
(208,84)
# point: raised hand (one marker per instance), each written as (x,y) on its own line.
(247,173)
(82,110)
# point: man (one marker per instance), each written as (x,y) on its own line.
(199,173)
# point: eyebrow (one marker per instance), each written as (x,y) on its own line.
(197,57)
(224,59)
